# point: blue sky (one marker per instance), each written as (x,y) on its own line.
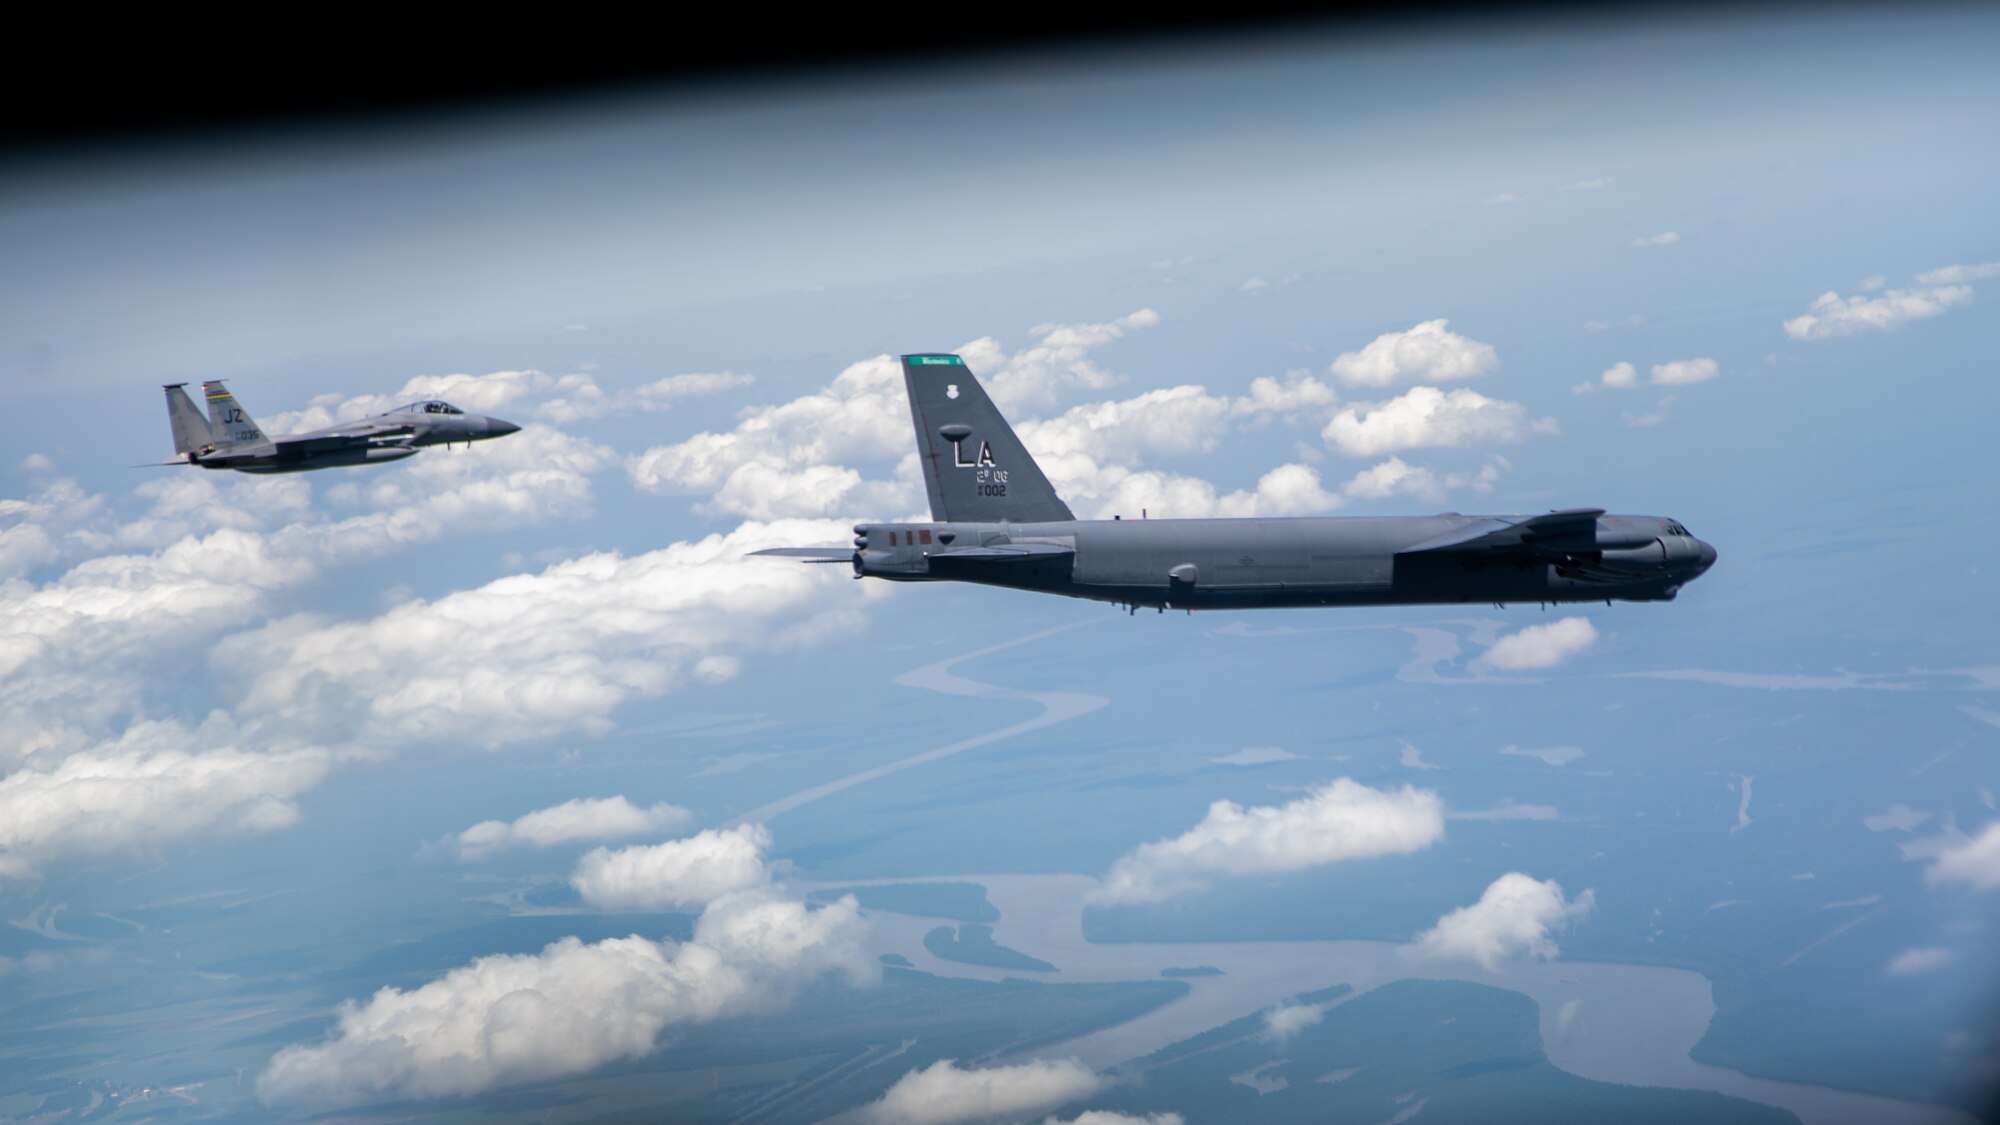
(687,301)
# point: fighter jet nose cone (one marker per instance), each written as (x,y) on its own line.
(497,428)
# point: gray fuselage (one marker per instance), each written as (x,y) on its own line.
(1251,563)
(227,438)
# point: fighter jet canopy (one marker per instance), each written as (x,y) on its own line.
(432,407)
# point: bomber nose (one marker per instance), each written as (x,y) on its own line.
(1705,555)
(495,427)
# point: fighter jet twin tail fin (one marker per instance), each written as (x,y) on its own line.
(191,430)
(227,426)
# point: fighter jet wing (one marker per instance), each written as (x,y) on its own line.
(1501,535)
(365,432)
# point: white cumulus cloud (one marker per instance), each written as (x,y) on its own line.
(211,553)
(159,783)
(580,397)
(1341,820)
(795,458)
(78,652)
(1899,816)
(1973,861)
(1059,360)
(1513,918)
(1428,352)
(490,393)
(536,476)
(573,1007)
(1395,477)
(676,875)
(800,458)
(1288,490)
(1830,314)
(552,398)
(1541,646)
(1426,417)
(1681,372)
(1619,376)
(47,524)
(946,1094)
(1918,961)
(531,654)
(582,819)
(1959,275)
(1298,392)
(859,416)
(1172,420)
(1286,1020)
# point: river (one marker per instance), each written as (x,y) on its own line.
(1632,1024)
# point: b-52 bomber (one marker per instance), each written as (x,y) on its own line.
(996,520)
(228,439)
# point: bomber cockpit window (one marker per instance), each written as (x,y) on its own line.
(1674,528)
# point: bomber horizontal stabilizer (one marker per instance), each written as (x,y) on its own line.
(1504,534)
(810,554)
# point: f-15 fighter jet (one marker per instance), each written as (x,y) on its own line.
(228,439)
(996,520)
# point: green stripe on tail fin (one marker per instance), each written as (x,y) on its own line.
(227,418)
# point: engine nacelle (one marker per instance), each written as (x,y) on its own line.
(1652,556)
(1672,552)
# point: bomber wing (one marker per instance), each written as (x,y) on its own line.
(1006,552)
(1504,536)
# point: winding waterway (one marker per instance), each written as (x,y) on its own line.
(1632,1024)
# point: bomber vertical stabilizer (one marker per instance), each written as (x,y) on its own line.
(975,469)
(227,418)
(191,432)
